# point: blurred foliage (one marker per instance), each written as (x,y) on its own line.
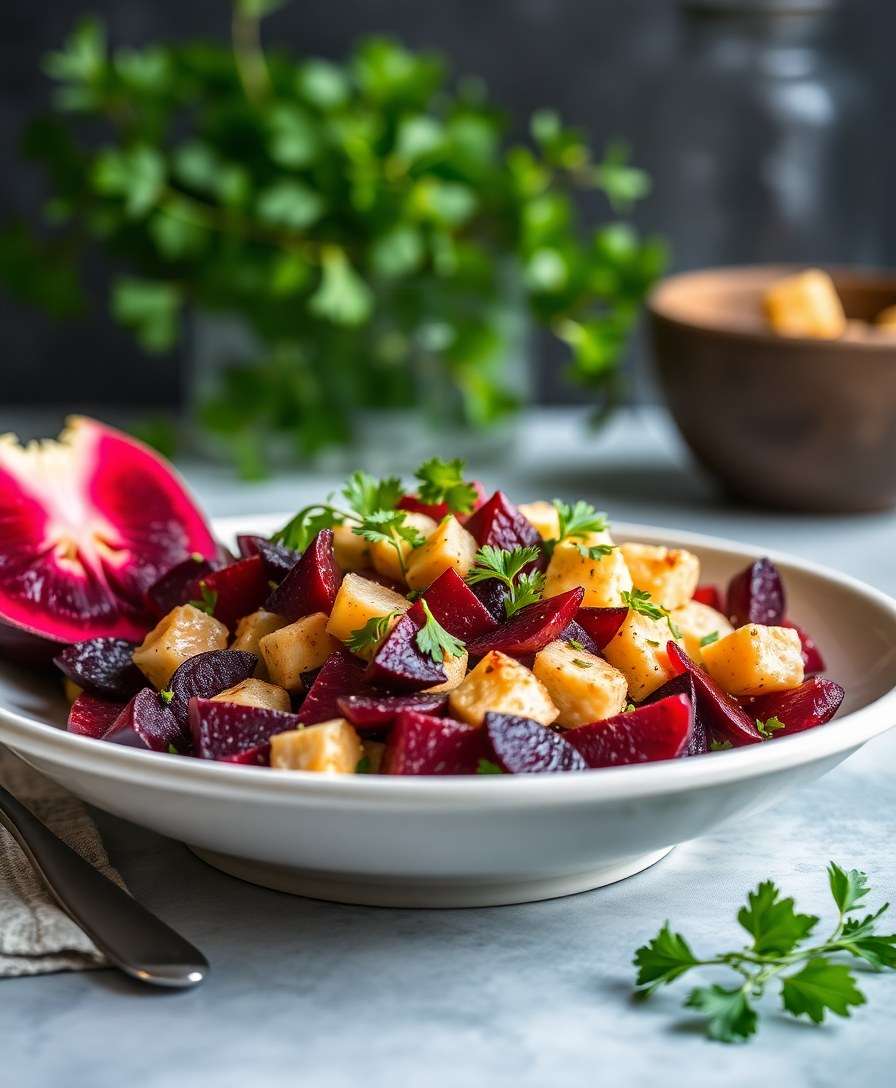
(356,216)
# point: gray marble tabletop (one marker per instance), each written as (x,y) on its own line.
(303,992)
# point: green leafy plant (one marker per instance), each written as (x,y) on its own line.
(814,979)
(433,640)
(507,566)
(365,221)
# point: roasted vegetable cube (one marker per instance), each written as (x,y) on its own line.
(455,670)
(385,556)
(352,551)
(252,629)
(756,659)
(299,647)
(582,686)
(543,517)
(603,577)
(332,747)
(669,575)
(360,600)
(501,684)
(697,622)
(183,633)
(254,692)
(450,545)
(638,650)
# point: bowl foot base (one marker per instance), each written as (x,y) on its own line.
(434,892)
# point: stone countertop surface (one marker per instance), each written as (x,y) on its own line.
(329,996)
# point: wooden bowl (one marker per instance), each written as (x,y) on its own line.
(785,422)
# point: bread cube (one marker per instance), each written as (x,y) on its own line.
(455,670)
(501,684)
(543,518)
(352,552)
(638,650)
(669,575)
(358,601)
(184,632)
(296,648)
(582,686)
(450,545)
(697,621)
(332,747)
(385,556)
(604,579)
(756,659)
(806,305)
(255,693)
(252,628)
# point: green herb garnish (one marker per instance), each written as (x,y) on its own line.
(434,640)
(363,765)
(485,766)
(639,600)
(576,645)
(367,495)
(371,634)
(595,551)
(579,520)
(579,663)
(390,527)
(709,639)
(720,745)
(506,565)
(172,751)
(814,979)
(166,696)
(209,599)
(443,481)
(767,729)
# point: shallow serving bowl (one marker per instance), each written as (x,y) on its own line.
(442,842)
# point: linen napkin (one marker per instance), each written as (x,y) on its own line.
(36,936)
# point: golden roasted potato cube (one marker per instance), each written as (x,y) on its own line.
(352,552)
(255,693)
(638,650)
(806,305)
(358,601)
(252,629)
(455,670)
(756,659)
(184,632)
(604,578)
(373,751)
(450,545)
(385,557)
(669,575)
(71,689)
(332,747)
(501,684)
(886,319)
(297,648)
(696,622)
(583,687)
(543,518)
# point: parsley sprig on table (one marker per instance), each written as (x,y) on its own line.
(814,979)
(506,565)
(434,640)
(443,481)
(640,601)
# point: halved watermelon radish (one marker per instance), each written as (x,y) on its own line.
(87,523)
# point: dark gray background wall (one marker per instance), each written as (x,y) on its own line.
(590,59)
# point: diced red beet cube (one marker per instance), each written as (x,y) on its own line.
(400,663)
(683,684)
(147,722)
(423,744)
(499,523)
(340,675)
(601,623)
(102,666)
(709,595)
(251,757)
(91,716)
(523,746)
(813,703)
(574,632)
(376,711)
(312,584)
(723,716)
(176,585)
(813,662)
(658,731)
(238,589)
(207,674)
(457,608)
(532,628)
(277,558)
(756,595)
(224,730)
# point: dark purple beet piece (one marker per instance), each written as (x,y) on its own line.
(225,730)
(683,684)
(813,662)
(756,595)
(207,674)
(340,675)
(247,544)
(499,523)
(457,608)
(601,623)
(238,589)
(147,722)
(176,585)
(532,628)
(813,703)
(102,666)
(422,744)
(658,731)
(90,716)
(376,711)
(574,632)
(491,593)
(722,715)
(523,746)
(400,663)
(311,585)
(277,558)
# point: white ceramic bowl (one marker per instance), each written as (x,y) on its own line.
(476,841)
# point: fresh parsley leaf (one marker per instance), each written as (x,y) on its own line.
(720,745)
(527,589)
(709,639)
(848,888)
(172,751)
(506,566)
(371,634)
(629,707)
(367,495)
(730,1016)
(664,959)
(166,696)
(579,520)
(363,765)
(772,922)
(300,530)
(821,986)
(878,950)
(767,729)
(639,600)
(435,641)
(390,527)
(485,766)
(209,600)
(579,663)
(595,551)
(443,481)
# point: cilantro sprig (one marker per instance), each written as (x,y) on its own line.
(814,979)
(640,601)
(506,565)
(443,481)
(435,641)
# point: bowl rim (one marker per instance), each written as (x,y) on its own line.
(30,737)
(767,337)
